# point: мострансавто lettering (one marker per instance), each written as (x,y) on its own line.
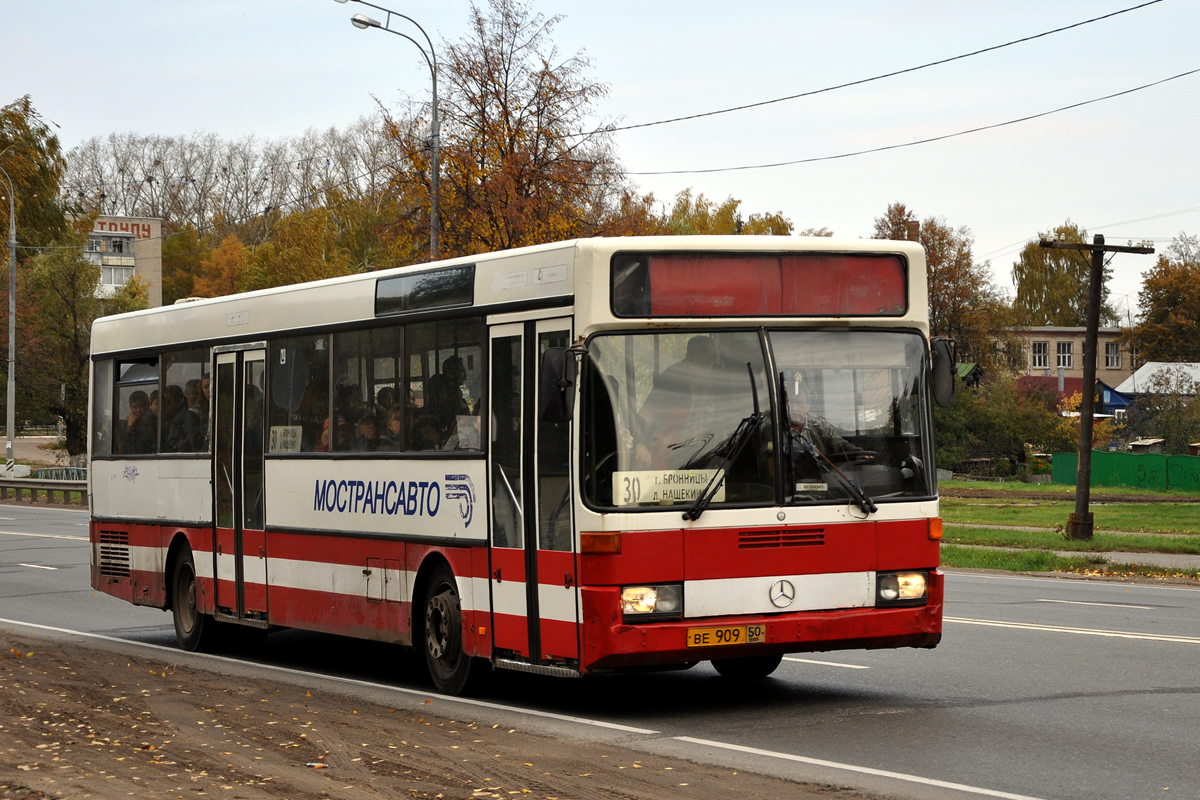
(411,498)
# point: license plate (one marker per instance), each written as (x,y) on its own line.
(733,634)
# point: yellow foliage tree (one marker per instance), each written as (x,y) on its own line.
(1102,429)
(699,215)
(302,247)
(225,271)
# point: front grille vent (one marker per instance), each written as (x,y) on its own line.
(759,540)
(114,554)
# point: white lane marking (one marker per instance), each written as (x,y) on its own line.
(36,566)
(1090,603)
(1034,626)
(424,694)
(824,663)
(44,535)
(883,773)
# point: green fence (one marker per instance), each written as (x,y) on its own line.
(1149,471)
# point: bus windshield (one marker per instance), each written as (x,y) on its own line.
(779,416)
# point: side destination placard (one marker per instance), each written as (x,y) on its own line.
(439,499)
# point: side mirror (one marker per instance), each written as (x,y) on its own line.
(556,392)
(945,364)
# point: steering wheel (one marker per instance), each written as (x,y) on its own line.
(856,458)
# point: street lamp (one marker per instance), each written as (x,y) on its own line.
(363,21)
(10,463)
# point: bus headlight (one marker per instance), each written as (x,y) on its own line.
(656,600)
(901,589)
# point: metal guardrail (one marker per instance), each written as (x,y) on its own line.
(45,491)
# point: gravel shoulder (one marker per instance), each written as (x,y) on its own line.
(80,721)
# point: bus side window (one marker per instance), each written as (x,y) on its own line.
(298,387)
(135,426)
(182,405)
(102,412)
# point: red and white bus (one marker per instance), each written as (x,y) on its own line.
(579,458)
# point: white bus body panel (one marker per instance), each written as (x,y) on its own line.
(150,489)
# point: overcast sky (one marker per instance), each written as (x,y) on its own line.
(1127,167)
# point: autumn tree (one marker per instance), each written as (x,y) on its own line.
(303,247)
(696,214)
(55,343)
(31,155)
(224,271)
(1167,408)
(523,160)
(182,253)
(1052,283)
(964,304)
(996,421)
(1169,305)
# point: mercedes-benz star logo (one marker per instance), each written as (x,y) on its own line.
(782,593)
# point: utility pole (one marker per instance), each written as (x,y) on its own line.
(10,430)
(1079,525)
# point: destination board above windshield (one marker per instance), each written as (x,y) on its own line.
(814,284)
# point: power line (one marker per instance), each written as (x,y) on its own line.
(919,141)
(866,80)
(1015,246)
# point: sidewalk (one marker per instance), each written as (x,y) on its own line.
(29,449)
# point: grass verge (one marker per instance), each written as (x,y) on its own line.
(1053,540)
(1064,490)
(1045,561)
(1052,512)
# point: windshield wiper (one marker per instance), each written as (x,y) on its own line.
(737,442)
(860,498)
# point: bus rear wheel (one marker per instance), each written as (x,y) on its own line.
(748,668)
(442,624)
(194,630)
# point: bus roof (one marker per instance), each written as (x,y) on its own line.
(540,273)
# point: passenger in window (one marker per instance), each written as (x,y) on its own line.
(444,394)
(366,439)
(426,433)
(340,440)
(391,438)
(138,432)
(385,398)
(313,415)
(173,402)
(189,428)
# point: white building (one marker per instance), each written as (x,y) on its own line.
(1139,381)
(124,247)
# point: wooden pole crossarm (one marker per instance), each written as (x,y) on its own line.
(1106,248)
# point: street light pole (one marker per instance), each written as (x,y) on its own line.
(10,463)
(435,131)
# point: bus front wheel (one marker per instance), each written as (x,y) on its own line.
(748,668)
(193,629)
(449,667)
